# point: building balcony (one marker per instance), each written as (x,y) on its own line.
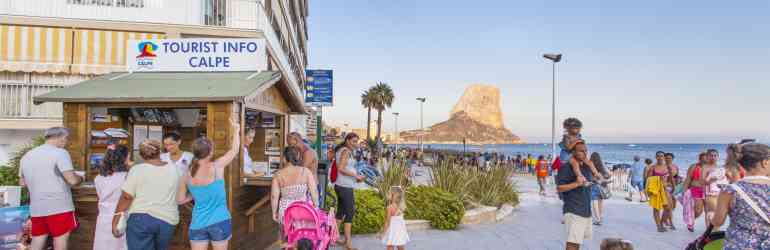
(233,14)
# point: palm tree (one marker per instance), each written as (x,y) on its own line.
(383,99)
(367,100)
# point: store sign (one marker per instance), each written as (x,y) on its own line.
(196,54)
(319,88)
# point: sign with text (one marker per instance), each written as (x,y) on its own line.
(196,54)
(319,88)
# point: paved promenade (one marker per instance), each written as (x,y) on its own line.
(535,224)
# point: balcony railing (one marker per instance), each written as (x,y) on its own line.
(16,102)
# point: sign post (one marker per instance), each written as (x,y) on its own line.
(319,92)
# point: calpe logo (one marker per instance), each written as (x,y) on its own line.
(146,57)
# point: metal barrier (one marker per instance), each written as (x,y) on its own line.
(619,180)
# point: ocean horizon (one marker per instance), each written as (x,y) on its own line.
(685,154)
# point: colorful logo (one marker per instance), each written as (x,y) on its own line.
(147,49)
(146,57)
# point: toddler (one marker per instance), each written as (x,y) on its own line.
(394,234)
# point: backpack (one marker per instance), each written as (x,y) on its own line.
(333,171)
(556,164)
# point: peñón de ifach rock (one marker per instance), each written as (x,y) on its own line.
(477,118)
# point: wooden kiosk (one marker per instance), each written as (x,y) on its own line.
(131,107)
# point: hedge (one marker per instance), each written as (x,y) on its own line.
(370,210)
(444,210)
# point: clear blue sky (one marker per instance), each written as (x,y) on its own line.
(633,71)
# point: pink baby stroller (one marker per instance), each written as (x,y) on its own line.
(303,221)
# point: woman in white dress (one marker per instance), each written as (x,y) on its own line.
(394,234)
(112,174)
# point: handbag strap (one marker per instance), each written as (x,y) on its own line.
(751,202)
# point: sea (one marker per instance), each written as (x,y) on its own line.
(616,153)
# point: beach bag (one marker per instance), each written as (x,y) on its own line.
(751,202)
(605,192)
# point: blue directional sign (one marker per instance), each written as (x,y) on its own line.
(319,88)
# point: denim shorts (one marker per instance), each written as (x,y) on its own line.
(638,185)
(217,232)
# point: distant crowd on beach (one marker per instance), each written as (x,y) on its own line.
(738,190)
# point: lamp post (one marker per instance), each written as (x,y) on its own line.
(395,118)
(422,128)
(554,57)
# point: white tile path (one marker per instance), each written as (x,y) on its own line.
(535,224)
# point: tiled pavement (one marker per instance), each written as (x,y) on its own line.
(535,224)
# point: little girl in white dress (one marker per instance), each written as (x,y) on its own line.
(394,232)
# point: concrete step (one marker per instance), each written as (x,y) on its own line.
(480,215)
(414,225)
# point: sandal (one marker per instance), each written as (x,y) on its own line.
(689,228)
(661,229)
(628,199)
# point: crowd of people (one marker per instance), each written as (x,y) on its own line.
(740,190)
(139,203)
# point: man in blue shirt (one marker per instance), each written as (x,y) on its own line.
(636,177)
(576,194)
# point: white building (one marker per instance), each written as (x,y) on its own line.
(50,44)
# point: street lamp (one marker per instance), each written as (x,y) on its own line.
(554,57)
(395,117)
(422,128)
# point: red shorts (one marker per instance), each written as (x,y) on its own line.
(54,225)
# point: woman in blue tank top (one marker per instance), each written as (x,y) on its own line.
(205,182)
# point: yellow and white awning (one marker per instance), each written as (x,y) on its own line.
(103,51)
(35,49)
(67,50)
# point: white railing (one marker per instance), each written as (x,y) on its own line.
(152,11)
(244,14)
(16,102)
(280,54)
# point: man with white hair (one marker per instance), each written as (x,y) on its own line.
(48,174)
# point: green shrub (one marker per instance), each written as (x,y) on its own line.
(9,175)
(370,210)
(331,198)
(444,210)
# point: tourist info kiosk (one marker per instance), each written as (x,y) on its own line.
(172,93)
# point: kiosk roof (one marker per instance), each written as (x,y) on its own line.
(164,87)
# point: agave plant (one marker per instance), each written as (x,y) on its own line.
(396,174)
(453,178)
(494,187)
